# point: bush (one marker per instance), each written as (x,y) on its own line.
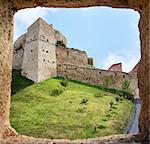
(108,115)
(64,82)
(126,95)
(84,101)
(106,82)
(117,98)
(98,95)
(101,126)
(104,118)
(56,92)
(111,104)
(126,86)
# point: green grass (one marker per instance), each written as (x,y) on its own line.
(35,111)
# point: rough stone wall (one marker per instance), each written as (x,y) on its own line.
(95,76)
(70,55)
(60,37)
(116,67)
(18,52)
(135,4)
(46,51)
(29,67)
(35,52)
(144,72)
(6,47)
(90,61)
(135,84)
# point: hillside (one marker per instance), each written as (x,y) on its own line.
(50,110)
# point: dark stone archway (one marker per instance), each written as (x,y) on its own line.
(7,10)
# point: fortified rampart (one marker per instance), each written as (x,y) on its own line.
(42,53)
(96,76)
(71,55)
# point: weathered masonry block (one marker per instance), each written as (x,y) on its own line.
(7,9)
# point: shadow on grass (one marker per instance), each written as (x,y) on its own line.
(19,82)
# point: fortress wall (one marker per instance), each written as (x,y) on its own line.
(46,61)
(18,52)
(20,41)
(17,59)
(90,61)
(94,76)
(70,55)
(116,67)
(60,37)
(30,56)
(30,63)
(134,83)
(46,52)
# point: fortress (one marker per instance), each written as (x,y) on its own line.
(42,53)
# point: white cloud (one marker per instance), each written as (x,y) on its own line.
(128,57)
(111,59)
(24,18)
(128,61)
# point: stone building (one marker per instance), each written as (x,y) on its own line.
(116,67)
(42,53)
(38,52)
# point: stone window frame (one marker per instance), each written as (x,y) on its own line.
(7,11)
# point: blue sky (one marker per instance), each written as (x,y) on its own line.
(108,35)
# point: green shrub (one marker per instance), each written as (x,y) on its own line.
(111,104)
(106,82)
(104,118)
(84,101)
(101,126)
(98,95)
(64,82)
(126,86)
(56,92)
(127,95)
(117,98)
(108,115)
(94,131)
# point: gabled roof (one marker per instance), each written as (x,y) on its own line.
(116,67)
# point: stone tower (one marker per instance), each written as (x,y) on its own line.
(39,57)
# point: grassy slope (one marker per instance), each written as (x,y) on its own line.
(35,112)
